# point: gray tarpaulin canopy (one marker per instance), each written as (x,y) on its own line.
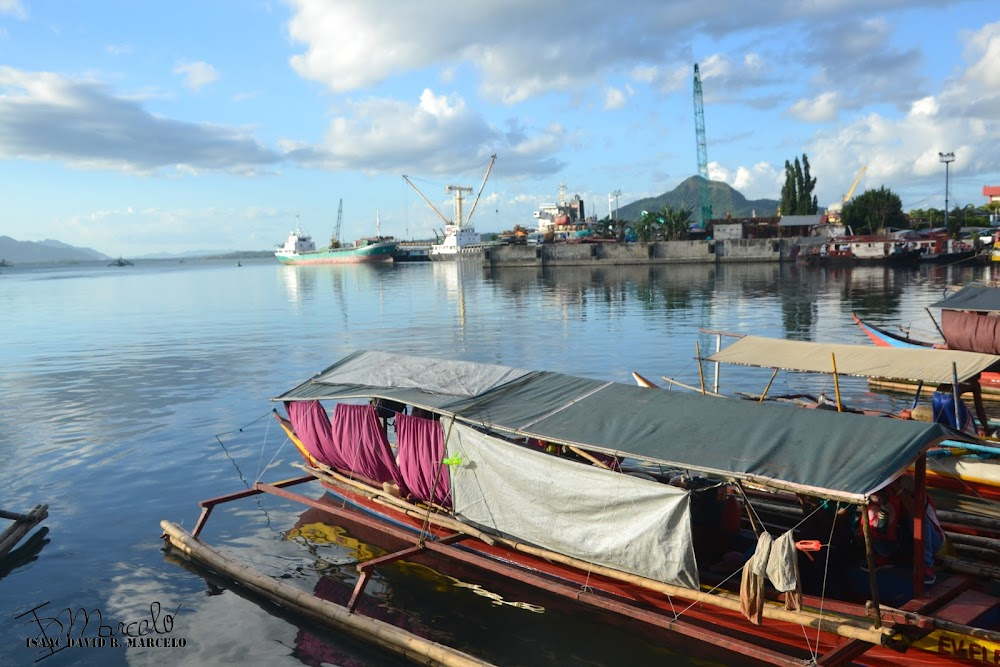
(917,364)
(830,454)
(974,296)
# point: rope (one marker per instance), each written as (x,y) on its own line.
(230,456)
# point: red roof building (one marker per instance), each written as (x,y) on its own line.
(992,192)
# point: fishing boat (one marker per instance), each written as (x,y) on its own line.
(121,261)
(859,250)
(621,499)
(299,248)
(460,241)
(937,247)
(968,469)
(969,321)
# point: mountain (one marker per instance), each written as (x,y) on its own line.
(723,197)
(48,250)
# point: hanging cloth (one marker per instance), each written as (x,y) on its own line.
(420,443)
(783,570)
(752,584)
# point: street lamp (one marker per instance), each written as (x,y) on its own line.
(947,158)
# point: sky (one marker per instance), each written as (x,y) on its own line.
(166,127)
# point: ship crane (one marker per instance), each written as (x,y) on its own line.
(834,210)
(458,191)
(335,241)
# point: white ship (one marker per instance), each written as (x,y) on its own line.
(461,241)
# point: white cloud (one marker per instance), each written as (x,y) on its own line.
(44,116)
(903,152)
(197,74)
(13,8)
(118,49)
(983,49)
(820,109)
(439,135)
(758,181)
(614,98)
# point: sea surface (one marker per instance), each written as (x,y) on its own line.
(132,393)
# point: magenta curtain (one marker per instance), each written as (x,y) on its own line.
(354,441)
(421,448)
(312,426)
(363,445)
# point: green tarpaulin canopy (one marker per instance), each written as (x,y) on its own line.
(974,296)
(830,454)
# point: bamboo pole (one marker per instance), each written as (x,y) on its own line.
(768,387)
(718,348)
(13,534)
(913,618)
(701,371)
(590,457)
(440,520)
(400,642)
(690,388)
(836,382)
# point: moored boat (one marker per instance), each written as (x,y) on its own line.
(460,241)
(859,250)
(299,248)
(972,471)
(622,499)
(969,322)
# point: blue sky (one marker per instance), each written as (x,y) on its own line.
(137,127)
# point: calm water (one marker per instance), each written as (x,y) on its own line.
(133,393)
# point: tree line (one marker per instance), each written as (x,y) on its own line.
(867,213)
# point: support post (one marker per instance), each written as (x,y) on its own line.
(870,558)
(919,510)
(718,348)
(701,371)
(836,383)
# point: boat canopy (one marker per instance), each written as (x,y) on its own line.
(823,453)
(974,296)
(916,364)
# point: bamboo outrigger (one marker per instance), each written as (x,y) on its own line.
(23,523)
(501,485)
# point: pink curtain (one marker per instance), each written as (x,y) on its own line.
(354,441)
(363,445)
(421,448)
(312,427)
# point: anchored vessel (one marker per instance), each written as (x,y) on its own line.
(299,248)
(460,238)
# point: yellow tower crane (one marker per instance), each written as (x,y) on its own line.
(834,210)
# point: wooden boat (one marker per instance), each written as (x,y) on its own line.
(964,470)
(859,250)
(968,322)
(520,473)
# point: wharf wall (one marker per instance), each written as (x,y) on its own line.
(657,252)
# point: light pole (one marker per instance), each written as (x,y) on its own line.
(947,158)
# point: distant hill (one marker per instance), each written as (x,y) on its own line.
(14,251)
(723,197)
